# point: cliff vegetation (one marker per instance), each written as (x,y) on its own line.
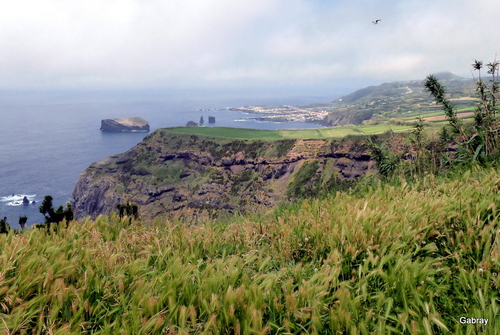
(183,173)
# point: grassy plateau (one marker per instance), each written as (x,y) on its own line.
(313,133)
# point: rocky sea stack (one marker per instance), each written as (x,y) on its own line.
(133,124)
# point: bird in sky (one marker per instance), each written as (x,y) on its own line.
(376,21)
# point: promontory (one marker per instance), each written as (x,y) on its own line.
(133,124)
(192,175)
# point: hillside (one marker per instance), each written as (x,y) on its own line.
(458,87)
(403,259)
(189,175)
(397,99)
(381,103)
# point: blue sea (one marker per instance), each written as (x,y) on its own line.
(48,138)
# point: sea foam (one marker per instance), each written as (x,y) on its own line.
(17,199)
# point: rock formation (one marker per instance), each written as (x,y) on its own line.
(134,124)
(191,124)
(187,175)
(211,119)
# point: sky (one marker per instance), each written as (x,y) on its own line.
(240,44)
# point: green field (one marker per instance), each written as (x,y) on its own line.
(228,132)
(413,116)
(315,133)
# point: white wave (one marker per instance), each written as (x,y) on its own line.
(17,199)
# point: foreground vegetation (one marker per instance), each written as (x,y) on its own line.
(403,259)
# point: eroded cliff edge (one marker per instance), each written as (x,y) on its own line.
(191,175)
(133,124)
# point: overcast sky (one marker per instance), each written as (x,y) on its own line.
(240,43)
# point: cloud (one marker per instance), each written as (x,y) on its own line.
(126,40)
(144,43)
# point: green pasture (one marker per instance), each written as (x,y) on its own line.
(414,116)
(228,132)
(314,133)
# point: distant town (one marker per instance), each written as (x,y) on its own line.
(285,113)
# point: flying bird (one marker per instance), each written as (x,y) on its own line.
(376,21)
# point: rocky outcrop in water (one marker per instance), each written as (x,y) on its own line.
(134,124)
(190,176)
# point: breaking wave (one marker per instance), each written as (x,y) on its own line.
(17,199)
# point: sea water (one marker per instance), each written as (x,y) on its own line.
(48,138)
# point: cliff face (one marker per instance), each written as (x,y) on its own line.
(125,125)
(191,175)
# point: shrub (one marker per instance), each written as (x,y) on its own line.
(55,216)
(128,210)
(4,226)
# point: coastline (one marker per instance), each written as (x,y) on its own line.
(285,113)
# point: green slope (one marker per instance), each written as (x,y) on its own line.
(407,259)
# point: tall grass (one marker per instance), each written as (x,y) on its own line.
(406,259)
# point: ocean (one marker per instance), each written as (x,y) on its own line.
(48,138)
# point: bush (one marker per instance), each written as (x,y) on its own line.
(4,226)
(128,210)
(55,216)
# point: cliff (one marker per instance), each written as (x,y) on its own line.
(195,175)
(125,125)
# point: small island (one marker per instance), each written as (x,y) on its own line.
(133,124)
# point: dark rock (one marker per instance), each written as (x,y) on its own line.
(159,191)
(226,161)
(280,171)
(179,198)
(191,124)
(211,119)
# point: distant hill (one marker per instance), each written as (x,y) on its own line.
(446,75)
(391,99)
